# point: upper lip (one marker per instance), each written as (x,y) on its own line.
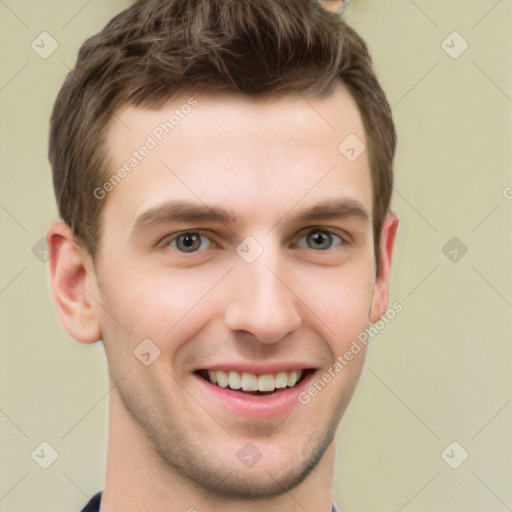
(258,368)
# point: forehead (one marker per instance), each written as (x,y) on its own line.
(253,155)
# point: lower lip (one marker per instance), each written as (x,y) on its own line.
(277,404)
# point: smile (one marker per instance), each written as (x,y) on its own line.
(254,390)
(252,383)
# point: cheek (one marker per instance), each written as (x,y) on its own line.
(157,305)
(342,303)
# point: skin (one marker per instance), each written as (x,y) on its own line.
(170,447)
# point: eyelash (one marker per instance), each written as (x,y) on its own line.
(342,241)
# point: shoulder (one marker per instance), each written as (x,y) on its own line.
(94,504)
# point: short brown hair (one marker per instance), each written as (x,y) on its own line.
(157,49)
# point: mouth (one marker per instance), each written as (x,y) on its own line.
(254,384)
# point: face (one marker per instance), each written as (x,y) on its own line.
(240,245)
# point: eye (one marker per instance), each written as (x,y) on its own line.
(190,242)
(319,239)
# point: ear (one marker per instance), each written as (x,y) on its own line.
(72,280)
(381,288)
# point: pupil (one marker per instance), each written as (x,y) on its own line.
(320,240)
(189,243)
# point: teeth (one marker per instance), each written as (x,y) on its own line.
(292,379)
(234,381)
(266,382)
(222,379)
(281,380)
(252,382)
(249,382)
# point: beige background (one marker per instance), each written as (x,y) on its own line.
(439,372)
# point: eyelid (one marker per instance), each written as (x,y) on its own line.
(345,237)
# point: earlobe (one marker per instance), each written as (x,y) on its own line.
(72,277)
(381,287)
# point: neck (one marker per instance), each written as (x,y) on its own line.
(136,479)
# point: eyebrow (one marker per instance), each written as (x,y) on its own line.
(182,211)
(332,209)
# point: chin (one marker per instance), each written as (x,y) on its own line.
(271,473)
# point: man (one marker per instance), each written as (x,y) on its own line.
(223,170)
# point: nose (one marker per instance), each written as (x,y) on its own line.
(262,302)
